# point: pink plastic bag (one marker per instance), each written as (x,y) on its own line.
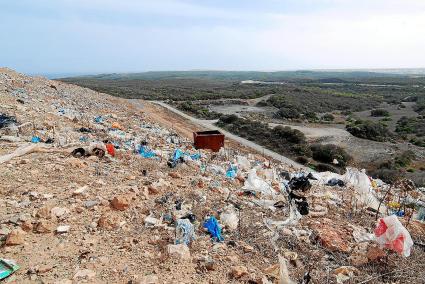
(390,233)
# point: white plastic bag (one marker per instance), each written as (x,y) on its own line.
(390,233)
(256,184)
(243,163)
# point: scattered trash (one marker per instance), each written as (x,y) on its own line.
(7,267)
(6,120)
(256,184)
(300,183)
(231,172)
(98,119)
(111,149)
(78,153)
(185,232)
(214,229)
(35,139)
(300,202)
(145,152)
(391,234)
(229,218)
(334,182)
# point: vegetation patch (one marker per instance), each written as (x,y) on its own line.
(370,130)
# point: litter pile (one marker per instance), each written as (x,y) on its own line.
(93,190)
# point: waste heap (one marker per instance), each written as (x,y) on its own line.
(93,190)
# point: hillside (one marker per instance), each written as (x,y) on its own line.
(92,190)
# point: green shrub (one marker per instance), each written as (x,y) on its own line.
(367,129)
(379,113)
(328,152)
(328,117)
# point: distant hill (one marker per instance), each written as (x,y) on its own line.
(244,75)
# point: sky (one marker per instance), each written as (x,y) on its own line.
(107,36)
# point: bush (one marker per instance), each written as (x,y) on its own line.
(379,113)
(327,153)
(326,168)
(302,160)
(387,175)
(367,129)
(328,117)
(228,119)
(289,113)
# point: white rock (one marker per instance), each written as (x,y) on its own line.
(63,229)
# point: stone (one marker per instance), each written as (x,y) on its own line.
(84,274)
(180,251)
(152,189)
(15,237)
(333,238)
(27,226)
(59,212)
(120,202)
(44,212)
(4,231)
(174,175)
(374,253)
(44,227)
(90,203)
(63,229)
(80,190)
(109,221)
(238,271)
(149,279)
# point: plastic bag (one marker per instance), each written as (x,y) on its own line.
(256,184)
(230,219)
(184,232)
(214,229)
(390,233)
(243,163)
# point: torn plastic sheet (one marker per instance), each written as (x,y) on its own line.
(294,217)
(7,267)
(185,232)
(256,184)
(145,152)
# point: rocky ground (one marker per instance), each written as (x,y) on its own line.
(113,218)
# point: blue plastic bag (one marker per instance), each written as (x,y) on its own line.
(35,139)
(231,172)
(214,229)
(98,119)
(177,154)
(146,153)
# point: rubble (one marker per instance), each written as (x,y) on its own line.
(118,195)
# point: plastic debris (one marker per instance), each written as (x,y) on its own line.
(300,183)
(390,233)
(229,219)
(98,119)
(334,182)
(145,152)
(214,229)
(243,163)
(111,149)
(256,184)
(231,172)
(6,120)
(35,139)
(185,232)
(300,202)
(7,267)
